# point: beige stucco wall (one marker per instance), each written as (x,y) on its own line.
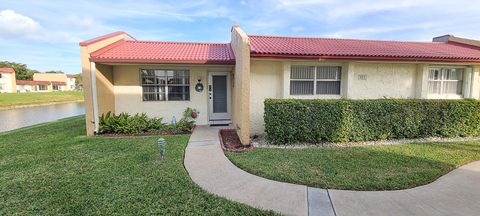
(105,90)
(70,84)
(86,77)
(50,77)
(8,83)
(241,84)
(270,78)
(389,80)
(25,88)
(129,98)
(265,82)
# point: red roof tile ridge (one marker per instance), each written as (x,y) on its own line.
(178,42)
(103,37)
(7,70)
(345,39)
(108,47)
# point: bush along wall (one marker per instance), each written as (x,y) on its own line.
(314,121)
(139,123)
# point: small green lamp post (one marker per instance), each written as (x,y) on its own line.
(162,144)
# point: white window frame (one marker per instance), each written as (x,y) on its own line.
(338,78)
(166,85)
(442,80)
(41,89)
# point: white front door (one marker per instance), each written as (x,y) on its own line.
(219,97)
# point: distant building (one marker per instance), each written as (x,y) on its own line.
(7,80)
(44,82)
(40,86)
(71,82)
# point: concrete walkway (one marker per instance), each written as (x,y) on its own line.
(457,193)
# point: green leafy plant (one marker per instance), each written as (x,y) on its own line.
(312,121)
(187,122)
(124,123)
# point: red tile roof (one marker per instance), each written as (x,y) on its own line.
(57,83)
(329,48)
(71,75)
(103,37)
(165,52)
(32,82)
(7,70)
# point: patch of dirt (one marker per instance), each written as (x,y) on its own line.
(230,141)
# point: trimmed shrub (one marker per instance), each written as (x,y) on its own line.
(317,120)
(139,123)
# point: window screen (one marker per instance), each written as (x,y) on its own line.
(445,81)
(165,85)
(311,80)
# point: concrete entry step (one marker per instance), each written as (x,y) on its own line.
(220,122)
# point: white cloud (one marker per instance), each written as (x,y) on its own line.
(297,28)
(14,24)
(367,32)
(83,22)
(360,8)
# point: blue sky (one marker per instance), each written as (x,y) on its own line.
(45,34)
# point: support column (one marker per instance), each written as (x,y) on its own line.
(93,71)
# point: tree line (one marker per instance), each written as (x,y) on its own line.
(22,72)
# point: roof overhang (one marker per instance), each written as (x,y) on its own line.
(162,61)
(363,58)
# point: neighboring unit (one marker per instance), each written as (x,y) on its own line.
(7,80)
(51,81)
(122,74)
(39,86)
(47,82)
(71,82)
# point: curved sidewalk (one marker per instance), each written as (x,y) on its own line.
(457,193)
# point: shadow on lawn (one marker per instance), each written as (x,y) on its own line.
(358,168)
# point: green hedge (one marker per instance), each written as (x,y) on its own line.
(313,121)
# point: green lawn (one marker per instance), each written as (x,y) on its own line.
(16,99)
(387,167)
(53,169)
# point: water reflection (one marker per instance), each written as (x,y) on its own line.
(22,117)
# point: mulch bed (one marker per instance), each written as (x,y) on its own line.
(230,141)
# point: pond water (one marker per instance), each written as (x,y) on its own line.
(27,116)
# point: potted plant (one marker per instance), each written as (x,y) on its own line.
(194,114)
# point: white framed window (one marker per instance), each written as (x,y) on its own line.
(315,80)
(165,85)
(56,87)
(445,81)
(41,87)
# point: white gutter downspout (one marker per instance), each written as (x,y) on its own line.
(94,96)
